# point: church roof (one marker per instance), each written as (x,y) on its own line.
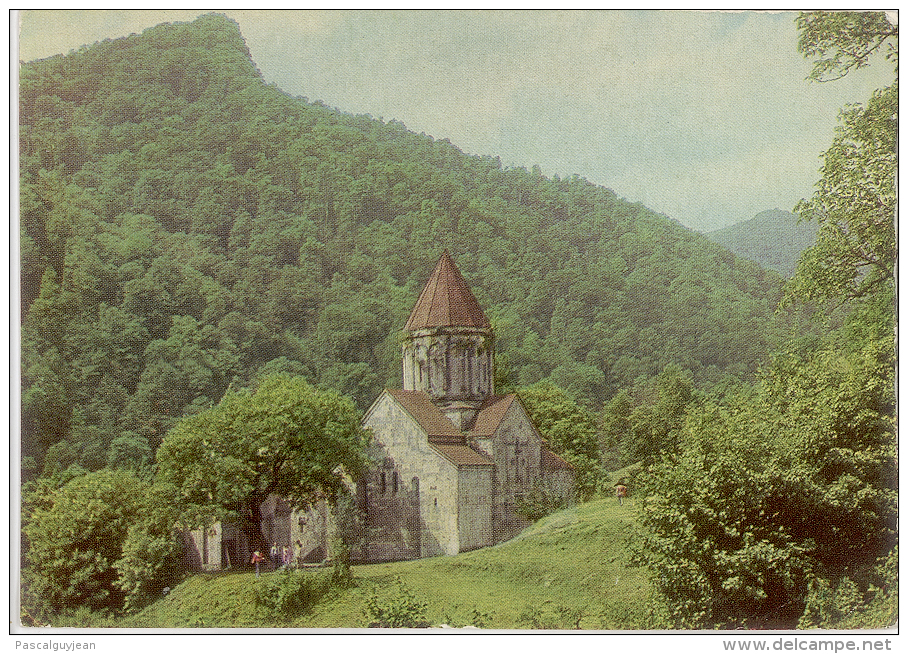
(491,413)
(444,437)
(419,405)
(551,461)
(438,426)
(446,301)
(462,455)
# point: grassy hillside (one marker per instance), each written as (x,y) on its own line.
(567,570)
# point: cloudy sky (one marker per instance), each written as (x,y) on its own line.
(706,117)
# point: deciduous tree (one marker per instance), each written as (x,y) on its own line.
(855,207)
(570,429)
(842,41)
(75,536)
(285,437)
(855,202)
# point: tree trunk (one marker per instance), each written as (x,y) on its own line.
(251,524)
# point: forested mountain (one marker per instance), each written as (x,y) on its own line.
(186,227)
(775,239)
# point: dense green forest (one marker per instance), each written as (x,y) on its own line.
(775,239)
(186,227)
(192,238)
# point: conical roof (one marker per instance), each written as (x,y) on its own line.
(446,301)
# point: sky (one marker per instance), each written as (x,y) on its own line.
(706,117)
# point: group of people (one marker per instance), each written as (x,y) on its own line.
(283,555)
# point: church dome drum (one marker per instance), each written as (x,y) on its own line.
(448,347)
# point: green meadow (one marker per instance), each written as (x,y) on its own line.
(569,570)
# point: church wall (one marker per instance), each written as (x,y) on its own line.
(406,443)
(312,531)
(275,522)
(216,547)
(235,547)
(438,507)
(392,525)
(515,448)
(191,558)
(307,532)
(474,507)
(223,545)
(205,547)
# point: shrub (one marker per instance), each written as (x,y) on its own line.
(532,618)
(540,502)
(350,536)
(550,616)
(401,611)
(775,509)
(715,554)
(481,619)
(865,602)
(341,572)
(621,616)
(75,535)
(83,617)
(152,554)
(288,593)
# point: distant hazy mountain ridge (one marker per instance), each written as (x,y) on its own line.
(774,239)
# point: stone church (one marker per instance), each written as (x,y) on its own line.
(453,457)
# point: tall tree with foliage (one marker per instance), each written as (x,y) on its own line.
(656,422)
(571,431)
(285,437)
(842,41)
(855,202)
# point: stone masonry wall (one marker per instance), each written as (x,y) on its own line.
(391,506)
(406,443)
(515,448)
(216,547)
(307,532)
(449,363)
(474,519)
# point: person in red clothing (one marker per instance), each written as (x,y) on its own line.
(257,558)
(621,492)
